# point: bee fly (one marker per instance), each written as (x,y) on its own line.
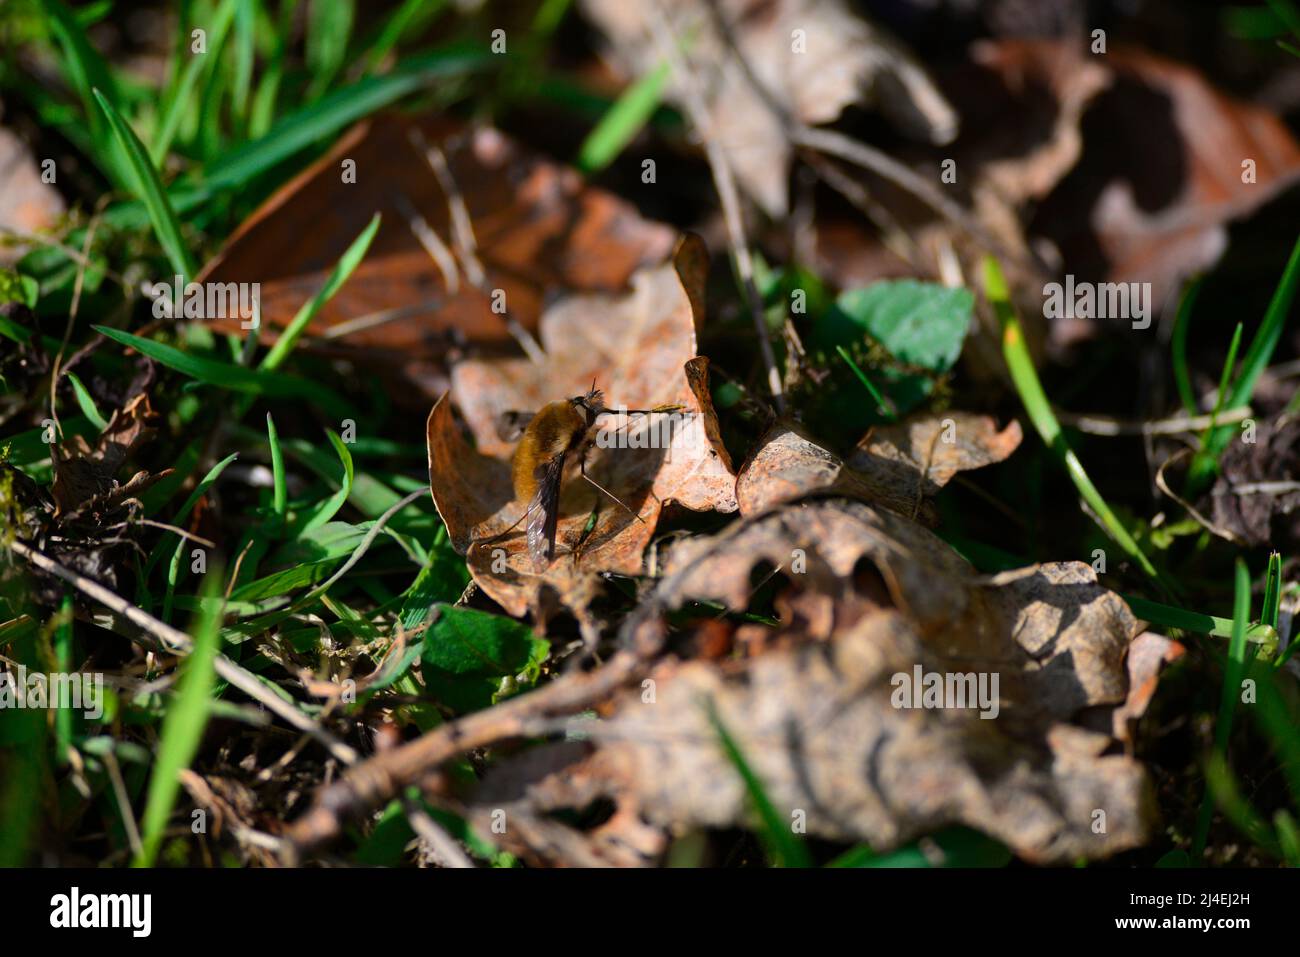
(546,439)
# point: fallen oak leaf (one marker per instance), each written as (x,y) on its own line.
(789,464)
(898,466)
(536,229)
(812,60)
(640,348)
(85,475)
(925,452)
(822,722)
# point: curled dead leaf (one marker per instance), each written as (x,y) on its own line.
(640,349)
(810,60)
(820,719)
(896,466)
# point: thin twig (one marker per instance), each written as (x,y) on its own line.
(123,801)
(177,642)
(441,846)
(368,785)
(725,182)
(1174,425)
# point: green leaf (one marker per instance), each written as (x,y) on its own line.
(150,189)
(921,324)
(466,641)
(182,730)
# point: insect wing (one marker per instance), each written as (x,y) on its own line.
(544,512)
(511,425)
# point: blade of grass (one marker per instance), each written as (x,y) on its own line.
(1204,461)
(1044,420)
(227,376)
(410,16)
(330,507)
(329,28)
(179,520)
(783,848)
(1178,346)
(882,405)
(1260,634)
(346,264)
(624,120)
(333,112)
(280,498)
(180,103)
(1253,365)
(182,730)
(1233,671)
(87,404)
(161,215)
(1272,591)
(86,71)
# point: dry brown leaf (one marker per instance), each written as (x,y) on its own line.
(640,349)
(845,61)
(85,475)
(815,717)
(789,464)
(930,449)
(538,231)
(1162,175)
(896,466)
(1257,481)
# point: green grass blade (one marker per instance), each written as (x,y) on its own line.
(784,849)
(1168,616)
(882,405)
(161,215)
(331,113)
(1044,420)
(280,498)
(1178,346)
(1272,591)
(336,501)
(227,376)
(180,103)
(179,519)
(344,268)
(1234,670)
(1253,365)
(87,71)
(624,120)
(87,404)
(329,28)
(182,730)
(410,16)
